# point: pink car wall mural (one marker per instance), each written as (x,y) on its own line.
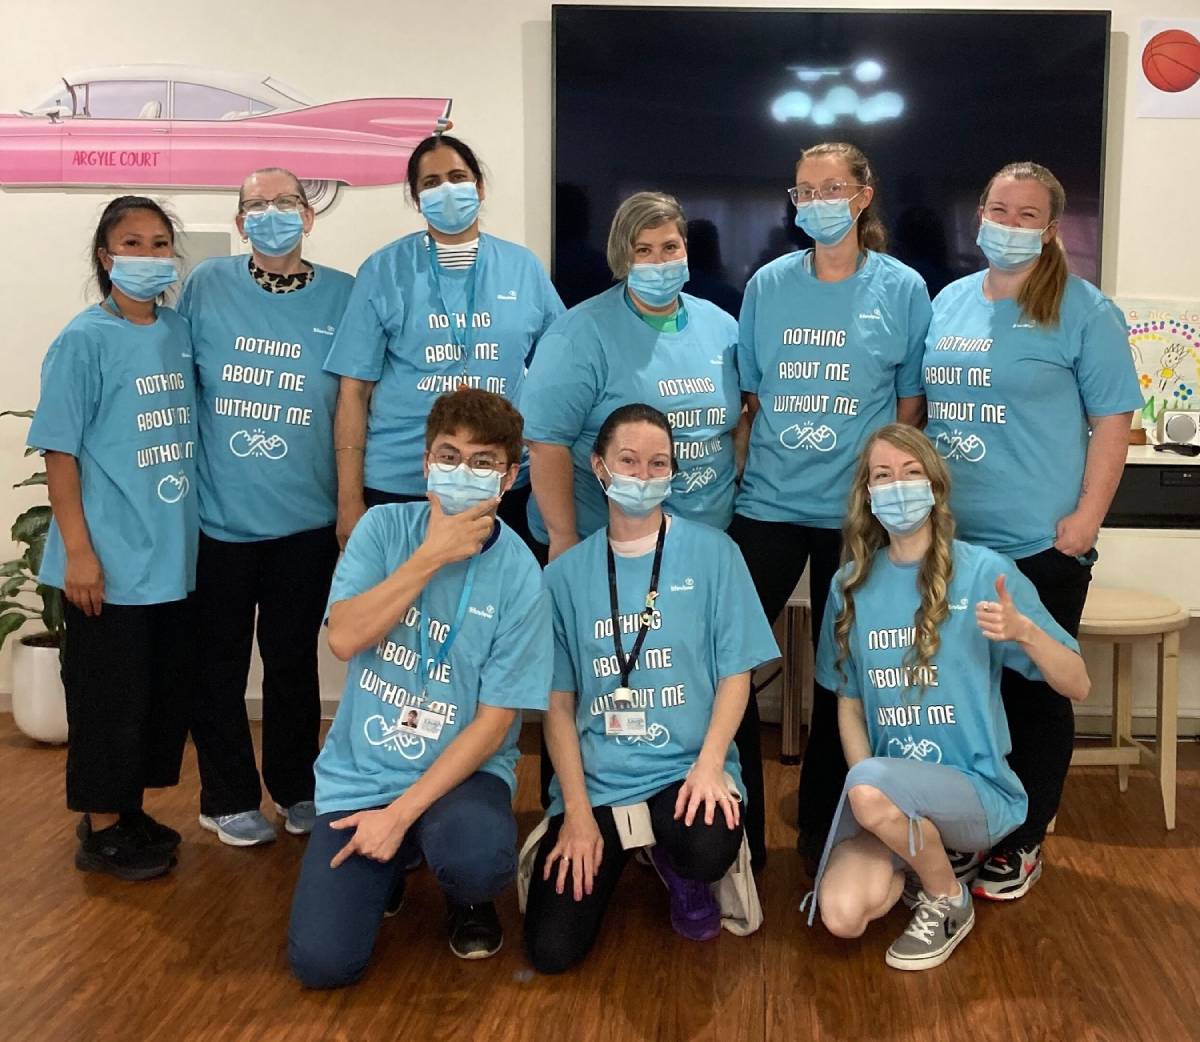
(178,126)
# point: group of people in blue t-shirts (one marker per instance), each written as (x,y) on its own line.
(493,504)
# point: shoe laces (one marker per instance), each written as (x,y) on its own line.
(927,916)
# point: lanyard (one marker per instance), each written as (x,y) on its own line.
(459,615)
(439,299)
(626,665)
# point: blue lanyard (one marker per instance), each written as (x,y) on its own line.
(439,299)
(423,627)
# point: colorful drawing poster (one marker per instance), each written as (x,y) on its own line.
(1164,337)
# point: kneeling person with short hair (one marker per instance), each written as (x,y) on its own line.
(440,611)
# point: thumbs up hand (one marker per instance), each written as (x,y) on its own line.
(999,619)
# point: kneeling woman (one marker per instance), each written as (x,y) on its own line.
(656,627)
(917,630)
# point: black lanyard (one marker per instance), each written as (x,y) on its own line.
(626,665)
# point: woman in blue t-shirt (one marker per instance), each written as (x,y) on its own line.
(829,349)
(261,328)
(917,631)
(115,423)
(656,629)
(439,309)
(1031,389)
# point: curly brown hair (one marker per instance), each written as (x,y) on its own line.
(489,418)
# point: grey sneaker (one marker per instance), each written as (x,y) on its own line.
(247,829)
(966,868)
(937,926)
(299,818)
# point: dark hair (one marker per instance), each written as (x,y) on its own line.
(436,141)
(273,170)
(114,213)
(872,235)
(636,412)
(490,419)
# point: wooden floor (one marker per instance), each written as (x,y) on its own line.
(1106,947)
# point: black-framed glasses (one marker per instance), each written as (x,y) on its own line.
(283,203)
(832,190)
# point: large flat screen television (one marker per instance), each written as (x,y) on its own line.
(714,105)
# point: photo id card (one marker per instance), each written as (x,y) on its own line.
(618,723)
(423,722)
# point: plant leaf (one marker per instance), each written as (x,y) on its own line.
(34,479)
(30,450)
(32,524)
(9,623)
(25,414)
(13,568)
(33,555)
(13,585)
(53,617)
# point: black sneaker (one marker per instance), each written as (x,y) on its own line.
(395,899)
(966,867)
(1008,874)
(475,931)
(122,850)
(158,835)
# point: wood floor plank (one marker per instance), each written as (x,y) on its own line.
(1105,949)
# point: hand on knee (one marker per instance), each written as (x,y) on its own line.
(872,809)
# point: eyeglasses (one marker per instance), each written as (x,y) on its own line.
(481,464)
(282,203)
(832,190)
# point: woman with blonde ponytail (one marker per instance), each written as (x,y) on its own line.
(829,348)
(918,628)
(1031,388)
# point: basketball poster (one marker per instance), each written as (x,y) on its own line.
(1169,69)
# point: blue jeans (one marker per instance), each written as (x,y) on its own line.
(468,839)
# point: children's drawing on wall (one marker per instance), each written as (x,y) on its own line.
(1164,337)
(182,126)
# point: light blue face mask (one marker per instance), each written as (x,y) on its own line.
(143,278)
(274,233)
(657,284)
(1009,248)
(636,497)
(460,488)
(450,208)
(902,506)
(827,221)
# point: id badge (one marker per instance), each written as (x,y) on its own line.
(619,723)
(422,722)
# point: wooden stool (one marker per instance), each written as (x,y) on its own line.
(797,679)
(1124,618)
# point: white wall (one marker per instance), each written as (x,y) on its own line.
(493,57)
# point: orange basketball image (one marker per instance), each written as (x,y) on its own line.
(1171,60)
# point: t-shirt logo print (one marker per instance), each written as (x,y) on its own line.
(173,487)
(956,445)
(259,444)
(808,436)
(925,750)
(656,737)
(394,737)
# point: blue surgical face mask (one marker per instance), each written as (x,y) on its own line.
(657,284)
(902,506)
(1009,248)
(143,278)
(636,497)
(274,233)
(826,221)
(450,208)
(460,488)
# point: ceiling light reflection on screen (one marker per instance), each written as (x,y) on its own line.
(841,103)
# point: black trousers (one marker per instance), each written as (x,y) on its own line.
(560,931)
(287,581)
(776,553)
(127,674)
(1041,721)
(512,511)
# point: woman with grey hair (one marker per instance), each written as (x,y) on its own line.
(640,341)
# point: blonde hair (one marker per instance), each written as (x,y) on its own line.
(640,211)
(872,235)
(1040,296)
(863,536)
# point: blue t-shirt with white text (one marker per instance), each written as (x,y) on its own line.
(708,625)
(396,334)
(827,361)
(1009,403)
(500,657)
(120,398)
(265,403)
(959,719)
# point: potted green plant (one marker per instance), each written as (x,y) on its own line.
(38,701)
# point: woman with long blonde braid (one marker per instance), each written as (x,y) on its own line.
(917,630)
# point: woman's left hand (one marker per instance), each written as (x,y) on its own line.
(377,835)
(706,785)
(1000,620)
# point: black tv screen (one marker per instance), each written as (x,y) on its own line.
(715,105)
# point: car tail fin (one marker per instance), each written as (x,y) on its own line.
(413,118)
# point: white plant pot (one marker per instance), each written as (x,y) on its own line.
(39,703)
